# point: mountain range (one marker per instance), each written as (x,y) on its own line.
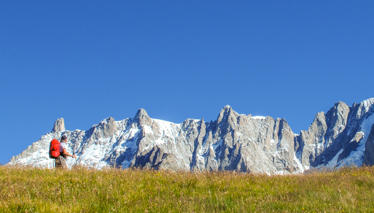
(343,136)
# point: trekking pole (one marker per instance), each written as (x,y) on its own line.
(75,159)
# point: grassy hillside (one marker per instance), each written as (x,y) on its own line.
(112,190)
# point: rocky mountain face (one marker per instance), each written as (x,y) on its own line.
(341,137)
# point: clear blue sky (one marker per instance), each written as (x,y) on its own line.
(89,60)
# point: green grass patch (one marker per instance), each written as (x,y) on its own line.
(135,190)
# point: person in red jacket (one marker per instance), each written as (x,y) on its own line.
(61,160)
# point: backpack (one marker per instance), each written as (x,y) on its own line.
(54,148)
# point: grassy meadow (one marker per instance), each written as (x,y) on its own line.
(135,190)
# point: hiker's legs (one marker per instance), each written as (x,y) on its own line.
(57,163)
(61,162)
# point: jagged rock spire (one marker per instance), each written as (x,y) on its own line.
(224,113)
(142,118)
(59,126)
(234,142)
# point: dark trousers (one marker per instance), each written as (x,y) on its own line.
(60,163)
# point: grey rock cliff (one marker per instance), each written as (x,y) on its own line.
(234,142)
(369,149)
(59,126)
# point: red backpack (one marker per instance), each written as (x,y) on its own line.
(54,149)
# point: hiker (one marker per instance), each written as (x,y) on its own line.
(61,159)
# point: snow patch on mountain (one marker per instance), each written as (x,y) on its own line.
(259,117)
(234,142)
(356,157)
(333,162)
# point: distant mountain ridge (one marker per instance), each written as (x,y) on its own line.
(236,142)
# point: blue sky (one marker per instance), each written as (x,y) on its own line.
(89,60)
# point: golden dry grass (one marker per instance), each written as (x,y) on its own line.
(133,190)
